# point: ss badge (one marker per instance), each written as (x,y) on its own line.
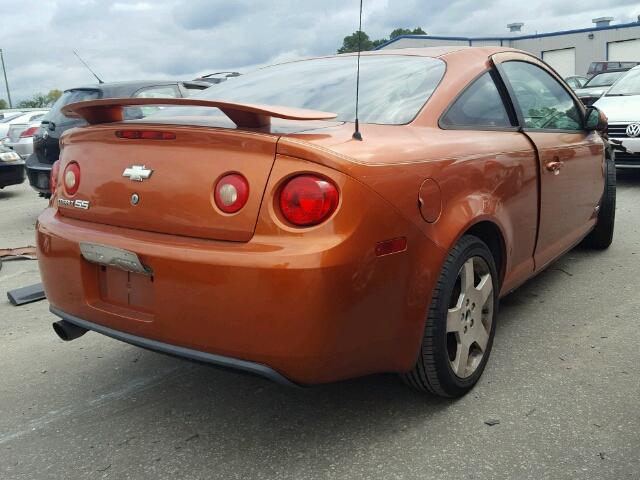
(82,204)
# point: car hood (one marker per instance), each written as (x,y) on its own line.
(620,109)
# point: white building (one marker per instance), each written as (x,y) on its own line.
(569,52)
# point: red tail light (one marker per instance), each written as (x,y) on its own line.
(71,178)
(145,135)
(308,200)
(29,132)
(53,177)
(231,192)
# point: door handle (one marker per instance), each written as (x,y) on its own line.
(554,167)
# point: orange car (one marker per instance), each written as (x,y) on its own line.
(249,229)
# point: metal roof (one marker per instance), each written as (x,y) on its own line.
(513,37)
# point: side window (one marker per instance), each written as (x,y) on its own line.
(480,105)
(543,101)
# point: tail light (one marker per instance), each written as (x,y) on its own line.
(308,200)
(71,178)
(53,177)
(231,192)
(29,132)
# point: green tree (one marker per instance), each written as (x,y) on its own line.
(405,31)
(54,95)
(40,100)
(3,104)
(350,43)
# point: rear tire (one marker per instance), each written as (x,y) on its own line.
(460,323)
(602,234)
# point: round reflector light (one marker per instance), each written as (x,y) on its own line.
(308,200)
(231,192)
(71,178)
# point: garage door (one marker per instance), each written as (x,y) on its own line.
(625,50)
(563,61)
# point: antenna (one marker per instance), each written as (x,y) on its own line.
(88,67)
(357,135)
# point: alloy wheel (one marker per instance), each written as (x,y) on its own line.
(469,317)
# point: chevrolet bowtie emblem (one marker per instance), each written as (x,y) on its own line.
(137,173)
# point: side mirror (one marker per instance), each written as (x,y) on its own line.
(595,120)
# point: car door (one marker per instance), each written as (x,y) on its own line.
(509,165)
(571,159)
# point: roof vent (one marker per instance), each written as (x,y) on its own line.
(602,21)
(515,27)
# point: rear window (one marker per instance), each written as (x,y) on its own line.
(70,96)
(393,88)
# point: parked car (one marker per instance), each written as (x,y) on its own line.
(4,116)
(621,104)
(270,237)
(597,86)
(22,119)
(599,67)
(576,81)
(218,77)
(45,142)
(20,138)
(11,168)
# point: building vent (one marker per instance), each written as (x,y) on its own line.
(602,21)
(515,27)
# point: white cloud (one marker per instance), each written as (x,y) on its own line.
(183,38)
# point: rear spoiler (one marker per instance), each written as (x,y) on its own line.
(247,115)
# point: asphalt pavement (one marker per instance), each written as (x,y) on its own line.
(563,381)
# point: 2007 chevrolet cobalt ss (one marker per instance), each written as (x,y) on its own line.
(248,228)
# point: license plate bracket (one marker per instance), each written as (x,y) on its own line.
(114,257)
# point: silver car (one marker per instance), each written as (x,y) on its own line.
(24,119)
(20,138)
(621,105)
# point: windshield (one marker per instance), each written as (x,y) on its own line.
(627,85)
(56,117)
(393,88)
(604,79)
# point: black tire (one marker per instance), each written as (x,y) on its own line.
(602,234)
(433,372)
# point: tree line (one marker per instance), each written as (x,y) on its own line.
(350,42)
(39,100)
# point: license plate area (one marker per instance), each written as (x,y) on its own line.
(125,289)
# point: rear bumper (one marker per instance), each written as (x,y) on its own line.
(38,174)
(195,355)
(11,173)
(313,311)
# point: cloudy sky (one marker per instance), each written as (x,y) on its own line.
(125,40)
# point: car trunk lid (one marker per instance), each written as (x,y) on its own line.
(177,197)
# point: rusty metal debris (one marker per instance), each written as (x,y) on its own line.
(20,253)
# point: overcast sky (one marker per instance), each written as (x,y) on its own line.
(140,39)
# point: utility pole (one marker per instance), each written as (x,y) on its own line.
(4,70)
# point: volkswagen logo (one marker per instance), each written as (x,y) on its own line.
(633,130)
